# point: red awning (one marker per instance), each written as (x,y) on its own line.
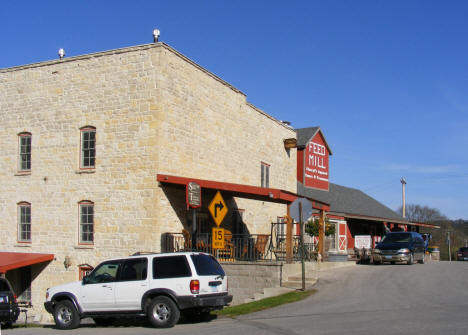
(14,260)
(248,191)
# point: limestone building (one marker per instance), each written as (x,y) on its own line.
(92,149)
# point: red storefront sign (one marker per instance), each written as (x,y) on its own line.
(316,168)
(193,195)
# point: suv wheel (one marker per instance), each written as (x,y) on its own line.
(66,315)
(163,312)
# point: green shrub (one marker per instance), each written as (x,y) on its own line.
(312,227)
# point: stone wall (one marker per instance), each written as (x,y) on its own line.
(248,278)
(207,130)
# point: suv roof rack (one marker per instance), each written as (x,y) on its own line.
(138,253)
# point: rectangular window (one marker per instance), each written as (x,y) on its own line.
(86,223)
(104,273)
(171,267)
(207,265)
(133,269)
(24,224)
(88,148)
(25,152)
(265,175)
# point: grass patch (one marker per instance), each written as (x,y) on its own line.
(260,305)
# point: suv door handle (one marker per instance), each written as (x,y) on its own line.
(109,287)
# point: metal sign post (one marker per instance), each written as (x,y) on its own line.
(301,246)
(301,209)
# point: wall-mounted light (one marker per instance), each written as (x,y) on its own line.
(67,262)
(290,143)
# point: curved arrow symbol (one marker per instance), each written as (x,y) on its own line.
(220,206)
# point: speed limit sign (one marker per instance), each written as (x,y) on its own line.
(218,238)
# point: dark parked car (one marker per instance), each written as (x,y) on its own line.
(9,309)
(462,254)
(400,247)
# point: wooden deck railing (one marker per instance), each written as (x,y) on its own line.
(252,247)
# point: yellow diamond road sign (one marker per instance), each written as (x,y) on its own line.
(218,209)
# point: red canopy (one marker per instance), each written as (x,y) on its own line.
(14,260)
(248,191)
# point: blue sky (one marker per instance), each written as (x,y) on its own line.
(387,81)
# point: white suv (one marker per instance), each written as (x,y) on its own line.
(157,286)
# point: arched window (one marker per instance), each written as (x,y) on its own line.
(24,151)
(24,221)
(86,209)
(88,147)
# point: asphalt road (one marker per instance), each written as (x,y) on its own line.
(424,299)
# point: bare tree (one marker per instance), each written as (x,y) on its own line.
(418,213)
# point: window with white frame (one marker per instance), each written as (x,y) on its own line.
(86,222)
(88,147)
(265,175)
(24,162)
(24,222)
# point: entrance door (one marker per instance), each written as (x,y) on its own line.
(342,243)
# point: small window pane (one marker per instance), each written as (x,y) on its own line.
(25,153)
(24,223)
(88,148)
(265,175)
(171,267)
(87,223)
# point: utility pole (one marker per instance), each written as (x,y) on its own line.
(403,183)
(448,242)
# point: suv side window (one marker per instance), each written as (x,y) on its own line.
(104,273)
(133,269)
(171,267)
(207,265)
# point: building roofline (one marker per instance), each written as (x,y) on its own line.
(133,49)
